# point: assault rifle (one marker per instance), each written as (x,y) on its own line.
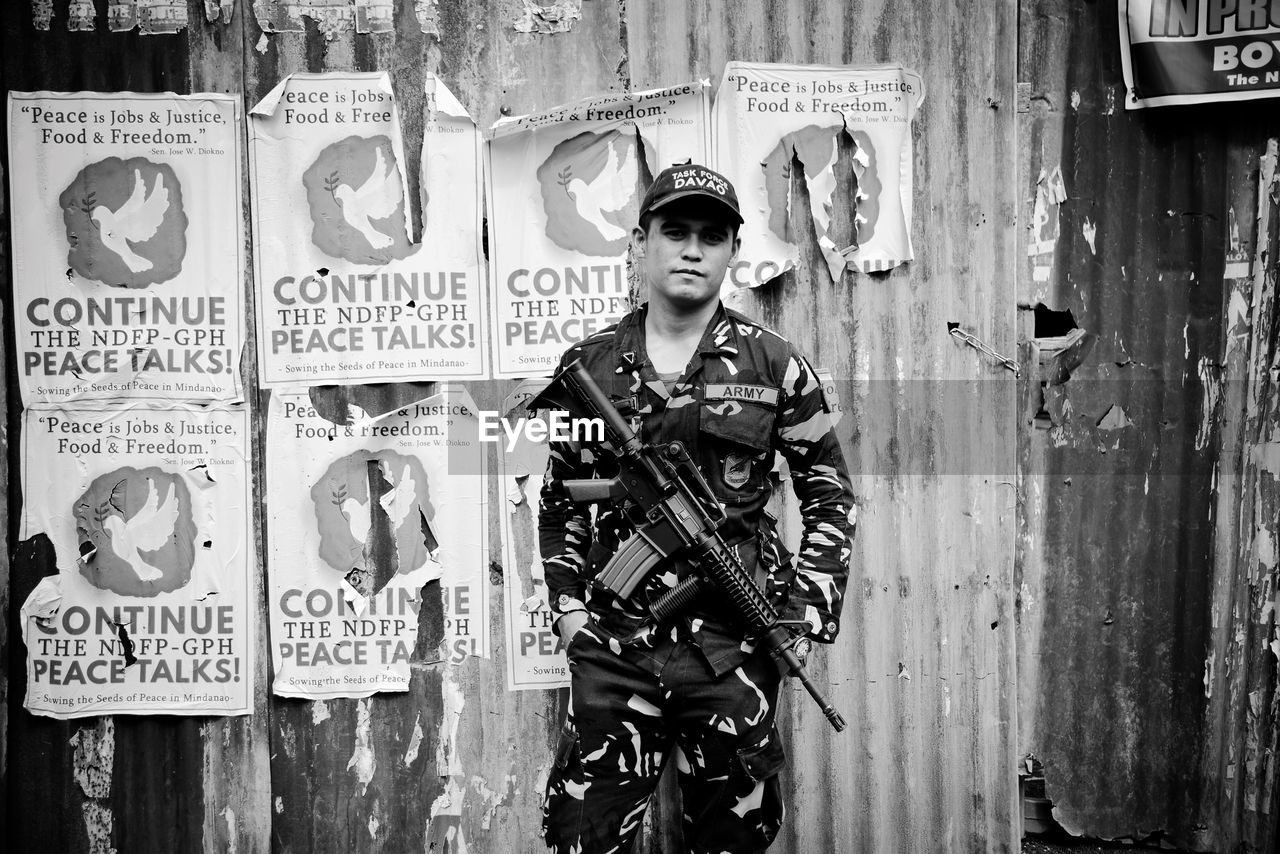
(675,514)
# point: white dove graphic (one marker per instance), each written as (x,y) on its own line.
(147,531)
(397,503)
(135,221)
(608,192)
(377,198)
(357,513)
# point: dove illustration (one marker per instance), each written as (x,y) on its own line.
(377,198)
(608,192)
(357,513)
(399,501)
(147,531)
(135,221)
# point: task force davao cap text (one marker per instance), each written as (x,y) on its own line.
(691,181)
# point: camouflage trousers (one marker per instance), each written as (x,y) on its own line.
(633,708)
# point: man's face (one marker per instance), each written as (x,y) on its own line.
(685,254)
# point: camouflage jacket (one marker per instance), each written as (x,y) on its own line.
(745,395)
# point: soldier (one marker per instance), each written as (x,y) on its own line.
(696,690)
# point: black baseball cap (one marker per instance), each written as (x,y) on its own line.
(691,181)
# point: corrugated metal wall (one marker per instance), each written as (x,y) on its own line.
(1130,689)
(924,670)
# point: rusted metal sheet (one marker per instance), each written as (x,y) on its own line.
(144,784)
(923,669)
(1128,218)
(5,231)
(1241,800)
(457,763)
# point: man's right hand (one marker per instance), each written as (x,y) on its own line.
(570,624)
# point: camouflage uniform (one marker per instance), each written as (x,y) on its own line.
(695,688)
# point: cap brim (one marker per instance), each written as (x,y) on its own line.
(699,194)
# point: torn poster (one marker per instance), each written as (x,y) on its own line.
(564,191)
(535,656)
(344,295)
(155,17)
(127,246)
(219,10)
(41,14)
(363,517)
(849,131)
(148,510)
(545,18)
(331,16)
(1196,53)
(81,16)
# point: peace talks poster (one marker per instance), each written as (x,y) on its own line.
(564,189)
(850,130)
(535,655)
(127,251)
(147,507)
(344,295)
(364,515)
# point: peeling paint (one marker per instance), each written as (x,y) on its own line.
(375,16)
(1115,419)
(285,16)
(415,742)
(447,760)
(1090,231)
(492,800)
(445,823)
(556,16)
(428,15)
(98,823)
(362,759)
(95,753)
(1238,263)
(1051,192)
(92,763)
(229,819)
(1237,322)
(1266,456)
(319,712)
(219,10)
(1211,382)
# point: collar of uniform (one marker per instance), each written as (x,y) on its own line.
(629,338)
(720,337)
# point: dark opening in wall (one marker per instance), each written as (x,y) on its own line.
(1052,324)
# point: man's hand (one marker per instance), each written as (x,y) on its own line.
(570,624)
